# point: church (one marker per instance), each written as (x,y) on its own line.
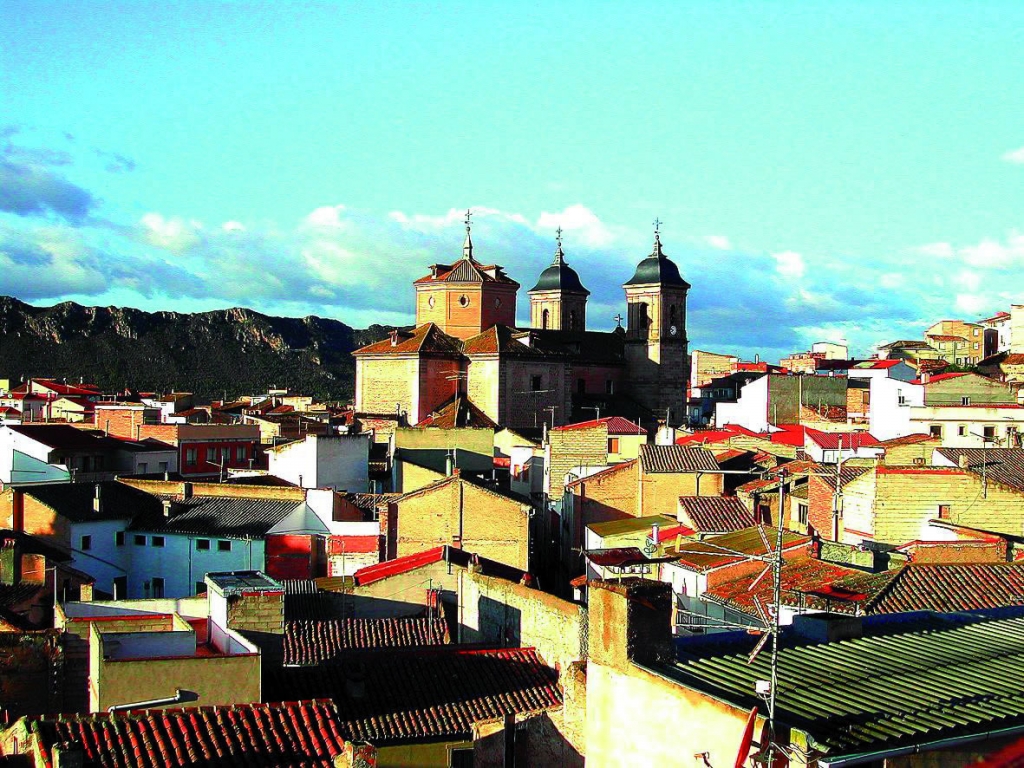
(465,356)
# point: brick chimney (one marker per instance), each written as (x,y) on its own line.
(630,621)
(248,600)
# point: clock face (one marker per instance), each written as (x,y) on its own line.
(673,330)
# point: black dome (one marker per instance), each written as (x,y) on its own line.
(560,277)
(658,268)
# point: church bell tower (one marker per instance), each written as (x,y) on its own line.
(656,345)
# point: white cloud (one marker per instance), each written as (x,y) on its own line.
(1015,156)
(721,242)
(972,303)
(172,234)
(938,250)
(233,226)
(790,264)
(891,280)
(995,255)
(326,216)
(581,222)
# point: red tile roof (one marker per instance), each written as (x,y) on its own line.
(676,458)
(398,695)
(716,514)
(616,426)
(466,270)
(906,440)
(305,733)
(724,434)
(500,339)
(943,587)
(833,440)
(945,337)
(799,576)
(427,338)
(458,412)
(318,641)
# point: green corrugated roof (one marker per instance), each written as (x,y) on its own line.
(630,525)
(882,691)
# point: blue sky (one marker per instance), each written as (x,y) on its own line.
(824,169)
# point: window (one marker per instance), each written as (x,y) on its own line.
(975,333)
(163,467)
(157,541)
(140,540)
(86,543)
(119,538)
(581,386)
(989,433)
(120,587)
(572,319)
(935,430)
(223,546)
(158,587)
(801,513)
(463,300)
(240,453)
(203,545)
(901,399)
(200,587)
(545,318)
(975,345)
(535,382)
(143,467)
(965,400)
(944,511)
(211,455)
(613,445)
(961,430)
(190,456)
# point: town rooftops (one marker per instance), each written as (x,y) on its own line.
(446,554)
(944,337)
(831,441)
(892,442)
(458,412)
(423,694)
(1003,465)
(908,681)
(303,733)
(616,426)
(107,500)
(427,338)
(233,517)
(321,641)
(629,525)
(59,436)
(935,378)
(728,548)
(658,459)
(716,514)
(945,587)
(242,582)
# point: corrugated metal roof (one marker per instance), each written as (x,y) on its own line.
(1004,465)
(880,691)
(220,516)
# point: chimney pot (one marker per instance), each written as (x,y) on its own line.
(97,499)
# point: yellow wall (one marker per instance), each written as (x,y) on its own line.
(382,382)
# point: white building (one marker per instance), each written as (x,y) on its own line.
(340,462)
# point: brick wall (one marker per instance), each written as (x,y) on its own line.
(386,382)
(570,448)
(609,495)
(819,505)
(463,515)
(176,488)
(36,518)
(660,492)
(257,612)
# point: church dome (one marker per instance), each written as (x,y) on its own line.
(658,268)
(560,277)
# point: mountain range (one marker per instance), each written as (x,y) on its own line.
(212,354)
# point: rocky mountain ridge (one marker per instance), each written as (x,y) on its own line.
(234,351)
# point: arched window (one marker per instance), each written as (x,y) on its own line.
(642,318)
(672,314)
(572,319)
(545,317)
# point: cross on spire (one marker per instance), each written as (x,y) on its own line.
(657,225)
(559,256)
(657,238)
(467,247)
(558,235)
(618,320)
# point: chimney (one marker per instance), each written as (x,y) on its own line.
(655,531)
(449,465)
(167,507)
(394,338)
(186,491)
(97,499)
(963,462)
(925,375)
(629,622)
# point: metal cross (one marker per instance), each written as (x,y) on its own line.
(468,214)
(558,235)
(657,225)
(618,320)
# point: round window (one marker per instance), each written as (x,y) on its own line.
(497,303)
(463,301)
(430,302)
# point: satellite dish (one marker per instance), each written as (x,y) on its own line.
(748,737)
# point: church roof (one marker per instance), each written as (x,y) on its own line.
(426,338)
(560,277)
(458,412)
(500,339)
(467,269)
(658,269)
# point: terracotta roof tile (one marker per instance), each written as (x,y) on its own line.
(616,426)
(675,458)
(306,734)
(427,338)
(423,694)
(458,412)
(943,587)
(500,339)
(309,643)
(467,271)
(716,514)
(832,440)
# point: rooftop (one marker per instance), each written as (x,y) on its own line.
(309,643)
(716,514)
(658,459)
(234,517)
(616,426)
(728,548)
(1003,465)
(77,501)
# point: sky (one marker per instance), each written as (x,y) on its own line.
(823,170)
